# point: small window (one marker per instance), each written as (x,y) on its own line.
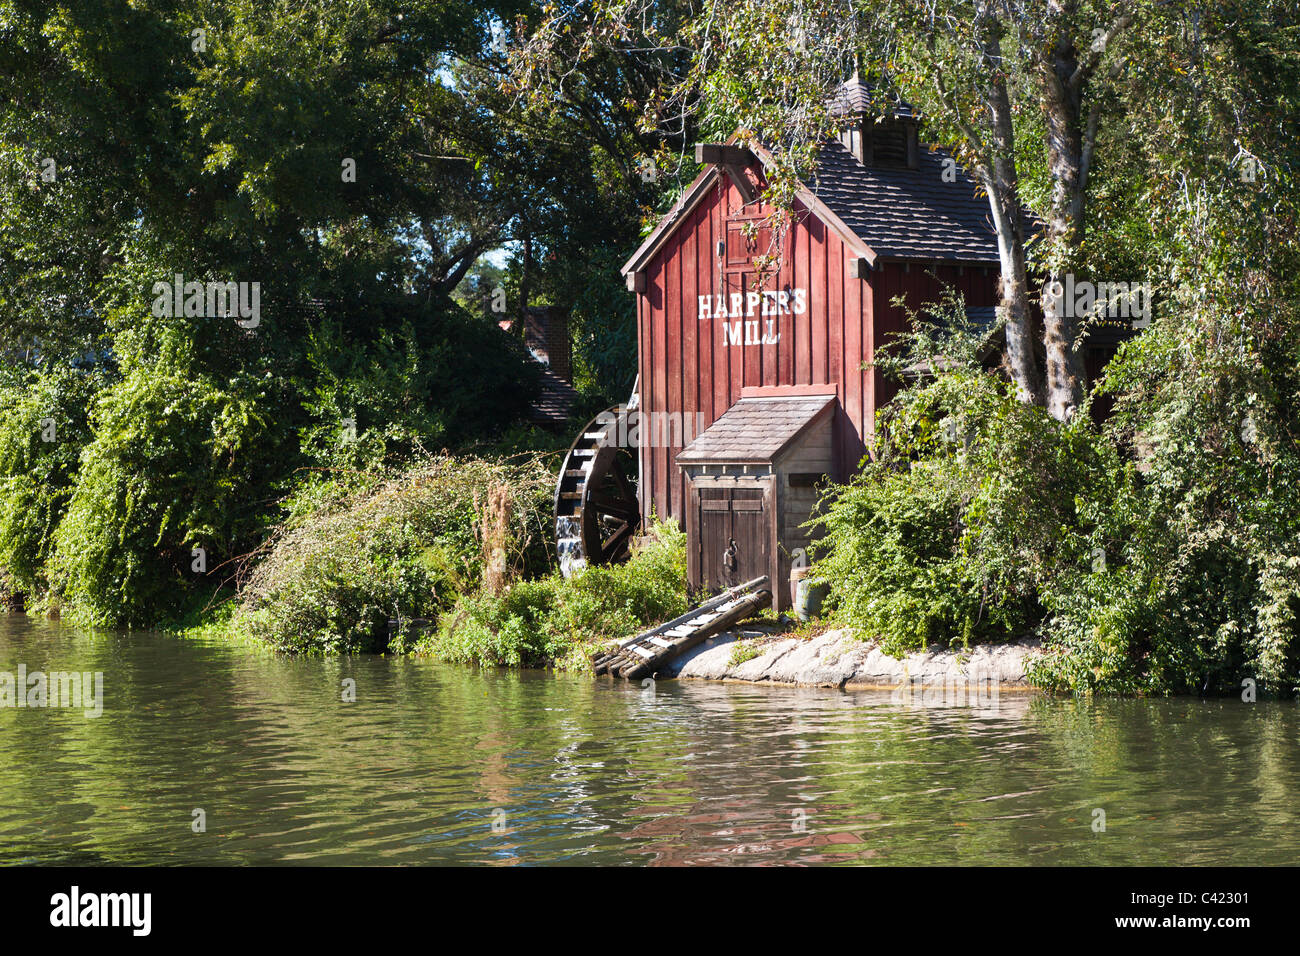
(742,249)
(890,144)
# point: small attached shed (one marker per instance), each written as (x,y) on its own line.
(751,481)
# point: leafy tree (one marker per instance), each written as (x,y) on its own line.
(1032,96)
(218,141)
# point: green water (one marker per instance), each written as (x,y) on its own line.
(439,764)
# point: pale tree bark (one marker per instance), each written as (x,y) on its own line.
(1061,327)
(1004,203)
(1062,74)
(997,173)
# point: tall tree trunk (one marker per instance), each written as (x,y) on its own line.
(1022,360)
(1003,188)
(1063,72)
(1065,159)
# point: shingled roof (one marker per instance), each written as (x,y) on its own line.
(854,96)
(755,430)
(908,213)
(883,213)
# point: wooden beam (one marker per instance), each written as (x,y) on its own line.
(738,179)
(859,268)
(722,154)
(788,391)
(636,281)
(733,160)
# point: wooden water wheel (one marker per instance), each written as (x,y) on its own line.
(596,508)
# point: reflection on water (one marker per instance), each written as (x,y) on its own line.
(439,764)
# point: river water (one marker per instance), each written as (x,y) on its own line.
(440,764)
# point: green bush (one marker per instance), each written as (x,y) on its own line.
(974,502)
(1200,588)
(43,427)
(175,463)
(1158,554)
(355,554)
(201,431)
(554,620)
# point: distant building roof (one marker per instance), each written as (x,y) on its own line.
(755,430)
(982,318)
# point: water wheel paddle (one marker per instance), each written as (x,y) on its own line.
(596,508)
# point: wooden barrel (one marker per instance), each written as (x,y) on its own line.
(797,574)
(806,597)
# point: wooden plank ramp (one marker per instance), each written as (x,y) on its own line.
(640,655)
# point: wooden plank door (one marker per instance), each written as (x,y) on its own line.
(734,532)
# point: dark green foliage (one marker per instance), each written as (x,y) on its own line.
(1158,555)
(44,424)
(1202,585)
(223,160)
(971,506)
(175,457)
(457,381)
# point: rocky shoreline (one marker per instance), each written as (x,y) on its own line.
(838,659)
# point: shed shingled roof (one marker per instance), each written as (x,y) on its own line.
(755,430)
(907,213)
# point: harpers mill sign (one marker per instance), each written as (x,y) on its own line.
(753,312)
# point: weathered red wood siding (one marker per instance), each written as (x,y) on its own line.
(921,283)
(687,365)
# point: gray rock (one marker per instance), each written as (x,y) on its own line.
(838,659)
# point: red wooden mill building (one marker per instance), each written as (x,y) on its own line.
(775,371)
(767,375)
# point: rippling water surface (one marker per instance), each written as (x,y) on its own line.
(439,764)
